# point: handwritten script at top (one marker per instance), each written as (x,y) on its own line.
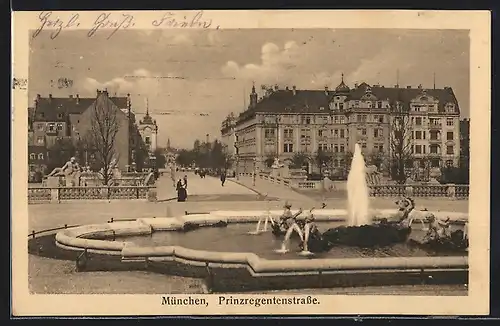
(171,19)
(113,22)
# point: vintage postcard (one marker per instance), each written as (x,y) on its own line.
(250,162)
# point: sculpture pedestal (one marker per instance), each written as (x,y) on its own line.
(53,182)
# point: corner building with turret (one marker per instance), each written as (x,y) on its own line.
(287,121)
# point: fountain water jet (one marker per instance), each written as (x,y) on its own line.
(357,191)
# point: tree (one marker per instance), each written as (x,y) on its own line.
(299,160)
(400,143)
(160,159)
(104,126)
(269,160)
(322,159)
(185,157)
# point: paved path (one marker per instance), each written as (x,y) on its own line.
(199,187)
(272,190)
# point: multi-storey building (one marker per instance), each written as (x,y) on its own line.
(464,142)
(288,121)
(54,118)
(228,138)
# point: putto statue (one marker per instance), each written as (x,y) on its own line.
(277,164)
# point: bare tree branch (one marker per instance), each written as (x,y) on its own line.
(103,132)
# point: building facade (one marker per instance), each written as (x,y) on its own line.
(288,121)
(148,129)
(55,118)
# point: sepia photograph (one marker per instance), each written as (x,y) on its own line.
(233,169)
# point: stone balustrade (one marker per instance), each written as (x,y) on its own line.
(413,190)
(61,194)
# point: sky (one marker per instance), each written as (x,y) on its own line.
(188,72)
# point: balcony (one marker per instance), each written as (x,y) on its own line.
(435,140)
(435,126)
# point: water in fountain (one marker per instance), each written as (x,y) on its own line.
(357,191)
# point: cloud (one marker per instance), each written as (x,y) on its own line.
(139,82)
(274,65)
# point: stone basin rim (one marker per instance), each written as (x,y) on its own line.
(74,239)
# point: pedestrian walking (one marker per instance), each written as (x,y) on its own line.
(223,177)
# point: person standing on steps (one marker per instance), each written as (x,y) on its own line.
(223,177)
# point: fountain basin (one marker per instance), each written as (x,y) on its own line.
(118,239)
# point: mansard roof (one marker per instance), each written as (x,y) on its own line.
(318,101)
(58,108)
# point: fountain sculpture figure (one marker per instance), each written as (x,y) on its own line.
(357,191)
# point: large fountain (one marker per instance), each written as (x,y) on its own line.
(360,245)
(357,191)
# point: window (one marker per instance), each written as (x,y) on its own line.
(269,133)
(341,148)
(342,119)
(418,149)
(322,147)
(435,135)
(449,135)
(358,118)
(41,127)
(59,126)
(449,163)
(147,140)
(418,134)
(423,134)
(335,133)
(423,149)
(336,148)
(59,116)
(52,127)
(356,103)
(40,140)
(288,148)
(378,133)
(418,121)
(320,133)
(308,120)
(32,156)
(288,133)
(363,145)
(379,104)
(40,156)
(450,107)
(435,163)
(341,106)
(435,122)
(449,150)
(434,149)
(342,133)
(336,119)
(380,148)
(449,122)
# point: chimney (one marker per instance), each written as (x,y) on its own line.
(50,97)
(286,88)
(408,87)
(356,85)
(276,88)
(419,86)
(77,98)
(294,89)
(326,90)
